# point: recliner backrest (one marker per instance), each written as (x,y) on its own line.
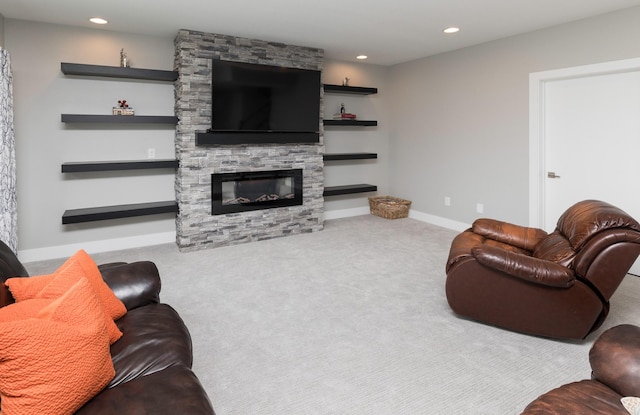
(597,240)
(575,228)
(587,218)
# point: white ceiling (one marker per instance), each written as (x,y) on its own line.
(389,32)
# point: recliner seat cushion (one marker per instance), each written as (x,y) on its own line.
(555,248)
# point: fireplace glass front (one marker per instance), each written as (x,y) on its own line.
(244,191)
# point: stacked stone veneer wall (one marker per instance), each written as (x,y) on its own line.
(196,227)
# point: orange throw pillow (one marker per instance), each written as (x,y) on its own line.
(55,357)
(61,283)
(48,286)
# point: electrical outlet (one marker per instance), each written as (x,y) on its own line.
(447,201)
(479,208)
(151,153)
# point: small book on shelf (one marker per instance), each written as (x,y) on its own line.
(344,116)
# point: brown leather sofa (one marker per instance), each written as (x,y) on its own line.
(615,364)
(552,285)
(153,358)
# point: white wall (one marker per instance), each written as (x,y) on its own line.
(1,31)
(43,142)
(460,119)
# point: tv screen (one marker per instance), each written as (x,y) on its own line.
(261,98)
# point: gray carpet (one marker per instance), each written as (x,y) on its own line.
(353,320)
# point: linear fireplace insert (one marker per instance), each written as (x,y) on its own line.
(244,191)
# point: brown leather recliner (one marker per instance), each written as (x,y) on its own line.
(553,285)
(615,365)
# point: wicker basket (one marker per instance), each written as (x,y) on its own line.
(389,207)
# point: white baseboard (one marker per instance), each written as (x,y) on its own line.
(64,251)
(439,221)
(422,217)
(346,213)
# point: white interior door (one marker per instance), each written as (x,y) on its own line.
(591,136)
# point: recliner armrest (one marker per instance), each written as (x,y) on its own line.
(615,359)
(136,284)
(509,233)
(524,267)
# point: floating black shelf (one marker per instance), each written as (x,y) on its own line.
(362,123)
(349,189)
(358,90)
(352,188)
(118,72)
(118,212)
(93,166)
(349,156)
(120,119)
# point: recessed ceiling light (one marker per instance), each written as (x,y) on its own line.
(451,30)
(98,20)
(361,57)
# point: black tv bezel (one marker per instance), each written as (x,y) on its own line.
(231,136)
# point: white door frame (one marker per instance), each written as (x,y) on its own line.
(537,167)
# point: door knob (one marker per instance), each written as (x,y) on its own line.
(552,175)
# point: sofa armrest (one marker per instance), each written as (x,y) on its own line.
(508,233)
(615,359)
(136,284)
(524,267)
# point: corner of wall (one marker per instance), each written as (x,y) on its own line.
(1,31)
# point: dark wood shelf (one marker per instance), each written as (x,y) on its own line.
(341,89)
(119,119)
(118,212)
(361,123)
(349,189)
(118,72)
(349,156)
(93,166)
(259,137)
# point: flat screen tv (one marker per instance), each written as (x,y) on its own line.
(263,103)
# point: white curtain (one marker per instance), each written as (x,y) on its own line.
(8,205)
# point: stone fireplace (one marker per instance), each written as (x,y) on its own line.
(207,172)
